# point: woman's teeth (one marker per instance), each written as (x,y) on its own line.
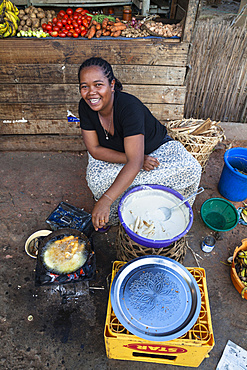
(93,101)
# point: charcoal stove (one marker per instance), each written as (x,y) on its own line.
(67,220)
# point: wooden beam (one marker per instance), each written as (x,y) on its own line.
(47,126)
(60,74)
(190,20)
(153,51)
(31,94)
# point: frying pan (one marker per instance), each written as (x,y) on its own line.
(58,235)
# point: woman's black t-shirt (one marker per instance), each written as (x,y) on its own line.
(130,117)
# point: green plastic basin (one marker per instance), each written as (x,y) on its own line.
(219,214)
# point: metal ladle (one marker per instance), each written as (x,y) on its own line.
(168,211)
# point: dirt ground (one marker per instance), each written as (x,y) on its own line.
(38,330)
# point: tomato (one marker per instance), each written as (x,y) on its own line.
(62,34)
(79,10)
(83,33)
(79,22)
(67,27)
(83,28)
(89,18)
(64,22)
(69,34)
(62,13)
(75,34)
(75,17)
(56,29)
(43,25)
(54,33)
(75,24)
(85,22)
(54,21)
(77,29)
(59,24)
(69,21)
(84,11)
(65,31)
(79,16)
(69,11)
(50,23)
(48,28)
(65,16)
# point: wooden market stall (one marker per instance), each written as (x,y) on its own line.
(39,83)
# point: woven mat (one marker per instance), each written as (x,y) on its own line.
(127,249)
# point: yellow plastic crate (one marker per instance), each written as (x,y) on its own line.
(188,350)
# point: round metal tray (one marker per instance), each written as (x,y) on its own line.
(155,298)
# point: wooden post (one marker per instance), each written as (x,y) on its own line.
(190,20)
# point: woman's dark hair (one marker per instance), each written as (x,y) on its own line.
(106,68)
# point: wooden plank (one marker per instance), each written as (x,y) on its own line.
(29,111)
(155,51)
(35,93)
(164,112)
(34,127)
(158,94)
(17,111)
(14,111)
(42,143)
(190,20)
(58,73)
(48,126)
(21,112)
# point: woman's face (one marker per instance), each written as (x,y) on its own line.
(96,90)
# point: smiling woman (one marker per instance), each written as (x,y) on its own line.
(127,145)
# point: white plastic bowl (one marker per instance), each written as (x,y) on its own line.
(31,238)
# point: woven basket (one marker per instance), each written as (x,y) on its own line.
(127,249)
(199,137)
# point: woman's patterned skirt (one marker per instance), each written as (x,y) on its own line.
(178,170)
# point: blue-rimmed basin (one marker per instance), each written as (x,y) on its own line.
(147,242)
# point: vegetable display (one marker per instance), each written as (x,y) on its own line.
(37,22)
(8,19)
(31,19)
(163,30)
(105,27)
(68,23)
(134,29)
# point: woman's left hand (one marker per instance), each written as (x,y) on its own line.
(150,163)
(100,214)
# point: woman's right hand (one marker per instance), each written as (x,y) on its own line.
(101,212)
(150,163)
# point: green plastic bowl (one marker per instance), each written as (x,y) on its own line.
(219,214)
